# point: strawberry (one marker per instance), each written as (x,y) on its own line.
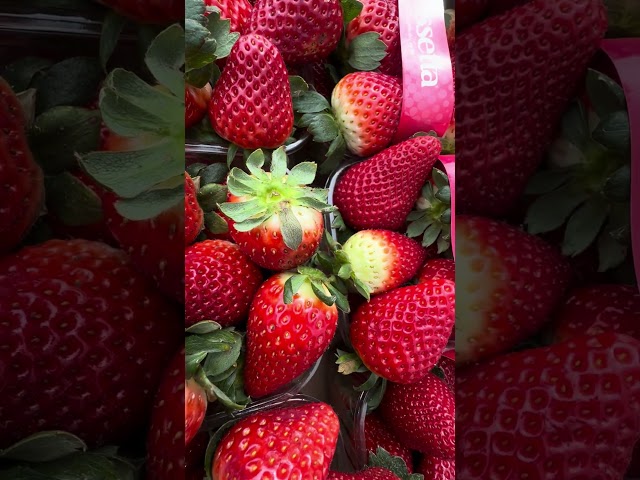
(303,31)
(236,11)
(196,103)
(316,74)
(96,330)
(288,442)
(497,80)
(444,268)
(381,191)
(288,330)
(193,215)
(571,410)
(377,435)
(366,106)
(251,102)
(381,17)
(422,415)
(383,259)
(400,335)
(195,407)
(382,465)
(22,193)
(274,217)
(447,364)
(220,282)
(510,282)
(436,468)
(148,11)
(376,473)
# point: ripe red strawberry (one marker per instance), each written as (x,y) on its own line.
(302,31)
(380,16)
(510,282)
(196,102)
(274,217)
(381,191)
(366,106)
(22,193)
(400,335)
(236,11)
(571,410)
(383,259)
(376,473)
(444,268)
(79,322)
(166,439)
(422,415)
(148,11)
(193,214)
(251,104)
(220,282)
(377,435)
(436,468)
(502,147)
(285,339)
(289,442)
(195,407)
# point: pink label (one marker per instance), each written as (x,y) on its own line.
(625,54)
(449,162)
(427,75)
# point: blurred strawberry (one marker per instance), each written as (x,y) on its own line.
(196,102)
(193,215)
(444,268)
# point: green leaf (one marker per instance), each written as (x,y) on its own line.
(310,102)
(71,201)
(231,154)
(214,173)
(618,186)
(291,287)
(220,32)
(199,77)
(111,29)
(241,211)
(350,9)
(240,184)
(605,95)
(297,85)
(322,126)
(196,344)
(584,226)
(27,99)
(550,211)
(255,162)
(383,459)
(220,362)
(252,223)
(341,299)
(291,228)
(44,447)
(547,180)
(150,204)
(417,227)
(21,73)
(575,126)
(211,195)
(613,132)
(215,224)
(431,234)
(318,289)
(303,174)
(611,253)
(444,195)
(362,288)
(366,51)
(205,326)
(440,178)
(165,57)
(278,163)
(345,271)
(73,81)
(192,363)
(334,155)
(368,384)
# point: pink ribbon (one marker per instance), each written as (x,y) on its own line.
(625,55)
(449,163)
(427,75)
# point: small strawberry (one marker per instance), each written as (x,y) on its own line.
(195,407)
(193,215)
(274,217)
(436,468)
(303,31)
(220,282)
(290,326)
(444,268)
(510,282)
(522,413)
(251,102)
(211,181)
(382,465)
(422,415)
(375,473)
(236,11)
(196,103)
(381,191)
(377,435)
(288,442)
(146,11)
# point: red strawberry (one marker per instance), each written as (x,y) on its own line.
(236,11)
(444,268)
(366,106)
(274,217)
(422,415)
(193,215)
(289,442)
(196,102)
(447,363)
(148,11)
(498,79)
(376,473)
(79,323)
(381,191)
(285,339)
(510,282)
(166,438)
(195,407)
(435,468)
(383,259)
(571,410)
(380,16)
(22,192)
(303,31)
(377,435)
(400,335)
(220,282)
(251,104)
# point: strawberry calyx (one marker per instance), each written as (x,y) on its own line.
(214,358)
(211,190)
(328,289)
(383,459)
(350,363)
(262,194)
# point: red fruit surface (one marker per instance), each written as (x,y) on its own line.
(148,11)
(573,407)
(422,415)
(435,468)
(193,214)
(236,11)
(290,442)
(302,31)
(195,407)
(251,104)
(22,192)
(196,102)
(400,335)
(377,435)
(444,268)
(376,473)
(366,106)
(448,366)
(283,341)
(381,191)
(220,282)
(86,340)
(529,59)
